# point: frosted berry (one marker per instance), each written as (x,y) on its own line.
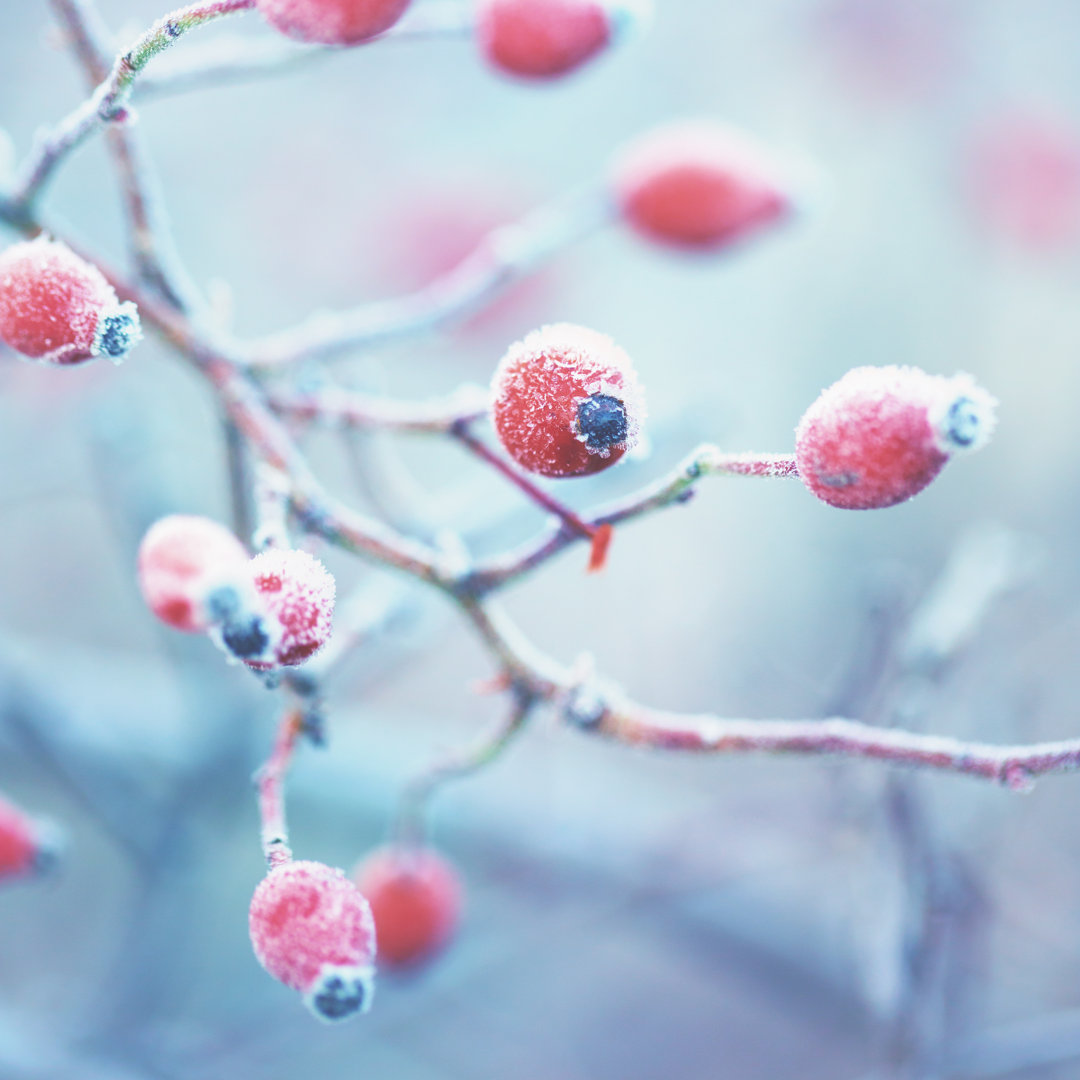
(27,846)
(539,39)
(312,930)
(191,570)
(566,402)
(297,595)
(332,22)
(415,896)
(878,436)
(59,309)
(697,185)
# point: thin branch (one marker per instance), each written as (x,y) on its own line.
(150,237)
(507,253)
(676,487)
(409,826)
(351,408)
(270,784)
(591,706)
(108,101)
(238,60)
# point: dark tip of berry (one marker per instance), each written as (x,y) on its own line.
(118,332)
(602,420)
(340,994)
(245,637)
(963,422)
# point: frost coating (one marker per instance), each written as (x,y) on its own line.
(878,436)
(339,992)
(332,22)
(118,333)
(56,308)
(698,184)
(297,593)
(539,39)
(964,415)
(313,931)
(187,566)
(566,401)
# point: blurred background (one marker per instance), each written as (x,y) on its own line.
(629,915)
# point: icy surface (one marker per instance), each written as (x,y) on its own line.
(298,591)
(878,436)
(539,388)
(305,915)
(52,302)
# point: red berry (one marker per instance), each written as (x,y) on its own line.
(539,39)
(880,435)
(297,593)
(332,22)
(697,185)
(25,845)
(312,930)
(57,308)
(566,402)
(183,560)
(415,896)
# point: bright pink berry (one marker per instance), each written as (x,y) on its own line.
(697,185)
(183,561)
(332,22)
(312,930)
(25,845)
(297,593)
(415,896)
(566,401)
(57,308)
(539,39)
(880,435)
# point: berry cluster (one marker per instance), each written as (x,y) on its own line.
(274,610)
(565,402)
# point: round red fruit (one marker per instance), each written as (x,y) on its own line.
(566,402)
(698,186)
(312,930)
(539,39)
(332,22)
(183,561)
(879,435)
(297,594)
(59,309)
(415,897)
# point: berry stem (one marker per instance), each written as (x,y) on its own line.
(270,783)
(409,826)
(598,535)
(678,486)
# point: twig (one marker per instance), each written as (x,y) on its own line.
(151,239)
(351,408)
(676,487)
(409,826)
(506,254)
(270,783)
(108,101)
(234,60)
